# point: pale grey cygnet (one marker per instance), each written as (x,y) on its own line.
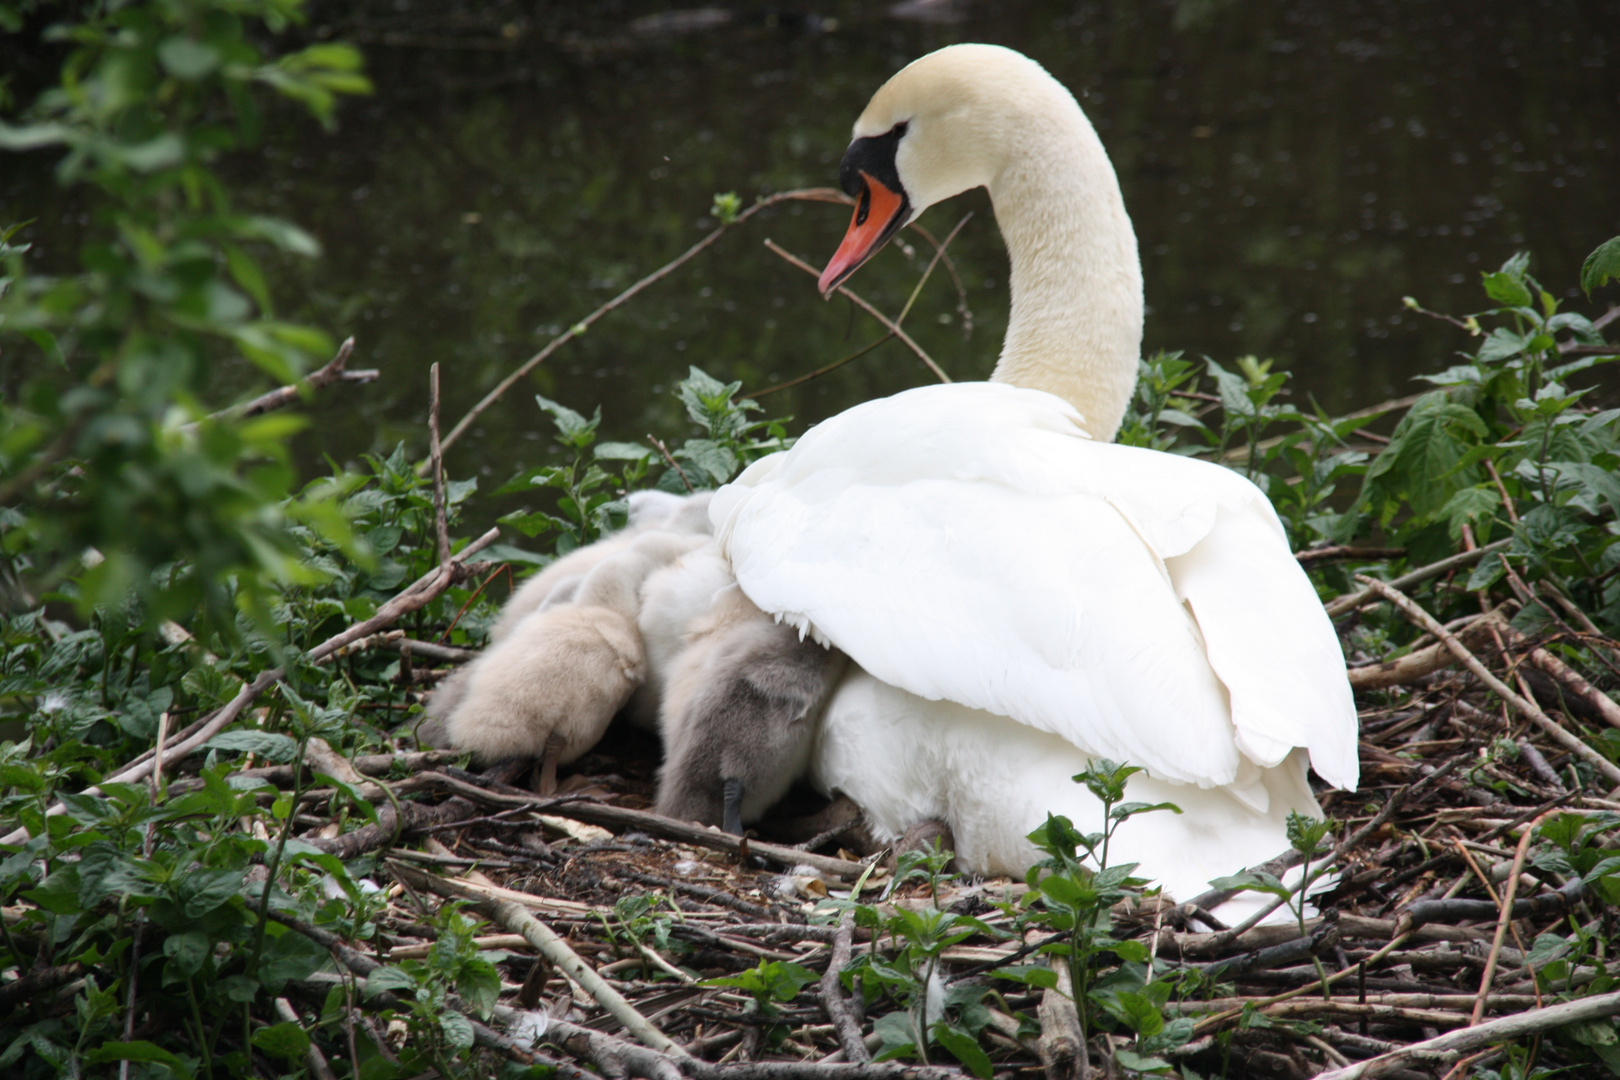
(649,511)
(551,686)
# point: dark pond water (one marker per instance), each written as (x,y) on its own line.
(1293,170)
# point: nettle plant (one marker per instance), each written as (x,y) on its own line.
(590,494)
(1072,893)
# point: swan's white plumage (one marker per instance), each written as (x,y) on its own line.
(972,544)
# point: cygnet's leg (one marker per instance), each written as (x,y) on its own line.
(547,783)
(733,794)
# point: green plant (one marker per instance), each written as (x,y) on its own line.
(455,975)
(1072,901)
(1306,836)
(771,984)
(116,472)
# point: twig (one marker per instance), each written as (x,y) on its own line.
(1351,601)
(441,515)
(939,254)
(596,813)
(1347,551)
(556,950)
(1415,665)
(1546,661)
(658,444)
(1463,1040)
(334,370)
(839,1010)
(888,324)
(820,371)
(803,194)
(1528,709)
(1502,922)
(318,1065)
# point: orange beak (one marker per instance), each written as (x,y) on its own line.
(879,213)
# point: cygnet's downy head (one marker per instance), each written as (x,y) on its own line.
(943,124)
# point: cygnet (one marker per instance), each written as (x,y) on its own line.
(739,714)
(559,582)
(552,685)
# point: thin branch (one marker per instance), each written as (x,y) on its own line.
(334,370)
(441,515)
(888,324)
(658,444)
(1350,602)
(802,194)
(838,1008)
(1463,1040)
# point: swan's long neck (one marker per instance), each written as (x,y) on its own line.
(1075,328)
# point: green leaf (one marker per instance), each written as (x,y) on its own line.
(32,136)
(964,1047)
(139,1050)
(622,451)
(458,1030)
(186,58)
(390,977)
(1506,289)
(267,744)
(186,953)
(286,1040)
(1602,266)
(1036,975)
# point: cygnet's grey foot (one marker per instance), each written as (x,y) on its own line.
(733,808)
(547,782)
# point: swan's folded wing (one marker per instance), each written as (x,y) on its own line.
(968,543)
(936,539)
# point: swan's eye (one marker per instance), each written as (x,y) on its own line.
(864,207)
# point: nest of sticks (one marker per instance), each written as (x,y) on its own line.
(1470,738)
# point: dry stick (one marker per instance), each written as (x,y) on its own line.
(956,279)
(1347,551)
(1505,906)
(820,371)
(1351,601)
(317,1060)
(512,917)
(596,813)
(1415,665)
(1461,1041)
(441,516)
(334,370)
(1529,709)
(1506,918)
(1571,679)
(839,1010)
(889,325)
(803,194)
(420,593)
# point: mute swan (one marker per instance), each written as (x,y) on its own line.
(551,686)
(1016,595)
(739,712)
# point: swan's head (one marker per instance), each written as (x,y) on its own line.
(945,123)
